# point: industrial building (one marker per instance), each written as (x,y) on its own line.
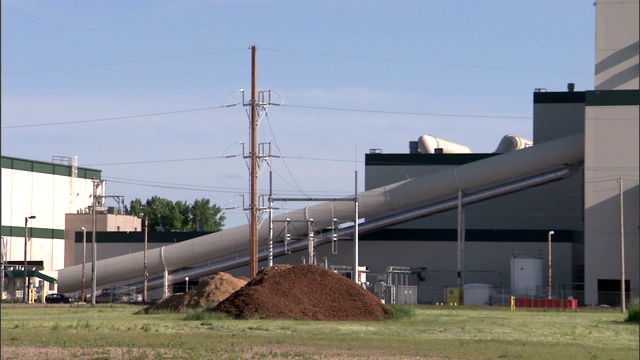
(593,215)
(35,198)
(552,217)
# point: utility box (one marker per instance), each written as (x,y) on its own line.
(406,295)
(454,296)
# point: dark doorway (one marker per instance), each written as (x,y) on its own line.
(609,291)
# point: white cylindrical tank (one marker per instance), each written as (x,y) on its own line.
(476,294)
(512,142)
(427,144)
(526,276)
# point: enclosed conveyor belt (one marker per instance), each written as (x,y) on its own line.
(430,208)
(376,202)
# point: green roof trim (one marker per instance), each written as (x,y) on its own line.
(590,98)
(34,232)
(6,163)
(423,159)
(48,168)
(563,97)
(613,98)
(30,273)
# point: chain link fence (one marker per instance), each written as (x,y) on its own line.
(502,297)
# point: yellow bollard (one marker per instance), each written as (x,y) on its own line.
(513,303)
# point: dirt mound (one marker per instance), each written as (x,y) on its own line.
(302,292)
(210,290)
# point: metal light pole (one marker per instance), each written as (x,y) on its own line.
(623,298)
(4,257)
(25,296)
(549,286)
(84,259)
(146,274)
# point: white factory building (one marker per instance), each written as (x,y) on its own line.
(588,218)
(36,196)
(576,235)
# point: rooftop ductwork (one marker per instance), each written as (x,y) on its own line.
(429,144)
(512,143)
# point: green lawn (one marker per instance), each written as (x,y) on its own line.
(117,332)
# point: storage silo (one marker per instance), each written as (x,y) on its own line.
(526,274)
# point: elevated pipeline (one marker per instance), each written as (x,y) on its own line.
(373,203)
(372,225)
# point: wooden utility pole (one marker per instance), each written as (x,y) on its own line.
(254,166)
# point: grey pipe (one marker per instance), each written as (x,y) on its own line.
(371,225)
(376,202)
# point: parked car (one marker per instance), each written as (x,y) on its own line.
(133,297)
(107,297)
(58,299)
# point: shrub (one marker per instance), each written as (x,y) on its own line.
(206,313)
(634,310)
(401,312)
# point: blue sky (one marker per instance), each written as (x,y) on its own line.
(350,75)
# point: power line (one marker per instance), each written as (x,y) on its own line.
(191,187)
(282,105)
(156,161)
(130,62)
(405,113)
(319,159)
(118,117)
(427,62)
(177,186)
(123,62)
(293,178)
(208,158)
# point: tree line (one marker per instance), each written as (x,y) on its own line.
(166,215)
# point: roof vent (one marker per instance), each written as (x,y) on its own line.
(413,147)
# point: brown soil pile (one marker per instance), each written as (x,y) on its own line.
(210,290)
(302,292)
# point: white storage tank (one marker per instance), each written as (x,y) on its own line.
(477,294)
(512,142)
(429,144)
(526,276)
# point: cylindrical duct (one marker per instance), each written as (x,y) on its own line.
(429,144)
(371,203)
(512,143)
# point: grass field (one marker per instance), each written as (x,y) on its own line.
(430,332)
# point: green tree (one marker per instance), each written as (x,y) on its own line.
(183,210)
(136,208)
(209,216)
(165,215)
